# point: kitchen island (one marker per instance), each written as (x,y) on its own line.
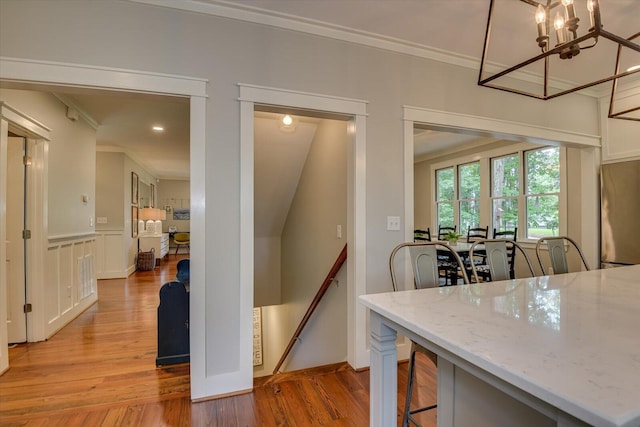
(554,350)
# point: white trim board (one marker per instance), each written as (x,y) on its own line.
(357,354)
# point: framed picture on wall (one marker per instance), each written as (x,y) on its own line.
(169,210)
(134,188)
(181,214)
(134,221)
(152,196)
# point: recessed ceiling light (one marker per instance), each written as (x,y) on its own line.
(158,128)
(287,120)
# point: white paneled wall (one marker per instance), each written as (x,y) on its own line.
(70,286)
(110,259)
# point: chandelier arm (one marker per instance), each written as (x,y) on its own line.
(621,40)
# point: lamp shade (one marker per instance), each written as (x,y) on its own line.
(147,214)
(162,214)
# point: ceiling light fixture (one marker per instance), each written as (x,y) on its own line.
(627,103)
(533,74)
(288,123)
(157,128)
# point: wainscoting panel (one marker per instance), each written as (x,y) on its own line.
(71,280)
(110,257)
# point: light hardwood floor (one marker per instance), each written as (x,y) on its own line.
(100,371)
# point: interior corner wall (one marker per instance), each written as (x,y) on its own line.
(310,246)
(72,142)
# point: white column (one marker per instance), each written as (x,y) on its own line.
(383,374)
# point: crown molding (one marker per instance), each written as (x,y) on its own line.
(88,118)
(257,15)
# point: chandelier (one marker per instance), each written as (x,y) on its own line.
(624,104)
(548,65)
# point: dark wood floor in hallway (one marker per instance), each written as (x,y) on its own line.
(100,371)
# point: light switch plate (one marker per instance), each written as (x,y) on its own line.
(393,223)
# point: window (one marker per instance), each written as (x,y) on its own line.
(469,195)
(505,190)
(542,191)
(445,196)
(515,186)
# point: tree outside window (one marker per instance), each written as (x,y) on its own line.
(542,191)
(505,189)
(445,196)
(469,195)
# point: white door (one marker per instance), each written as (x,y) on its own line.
(16,318)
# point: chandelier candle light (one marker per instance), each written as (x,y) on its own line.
(569,43)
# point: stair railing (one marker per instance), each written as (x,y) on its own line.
(316,300)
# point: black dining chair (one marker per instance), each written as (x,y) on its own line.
(425,266)
(422,235)
(473,235)
(448,269)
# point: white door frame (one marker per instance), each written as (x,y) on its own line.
(77,75)
(452,122)
(357,354)
(31,130)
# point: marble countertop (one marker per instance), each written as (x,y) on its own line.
(572,340)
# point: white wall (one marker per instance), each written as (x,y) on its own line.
(310,246)
(110,183)
(267,282)
(226,51)
(72,143)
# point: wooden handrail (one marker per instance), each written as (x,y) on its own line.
(316,300)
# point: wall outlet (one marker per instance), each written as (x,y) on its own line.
(393,223)
(339,231)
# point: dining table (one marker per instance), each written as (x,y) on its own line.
(560,350)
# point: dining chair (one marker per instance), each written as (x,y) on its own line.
(558,254)
(500,265)
(444,229)
(476,233)
(181,239)
(473,235)
(422,235)
(511,250)
(425,268)
(446,264)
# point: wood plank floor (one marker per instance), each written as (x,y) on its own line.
(100,371)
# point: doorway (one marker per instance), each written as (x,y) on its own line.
(440,121)
(300,228)
(250,96)
(72,75)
